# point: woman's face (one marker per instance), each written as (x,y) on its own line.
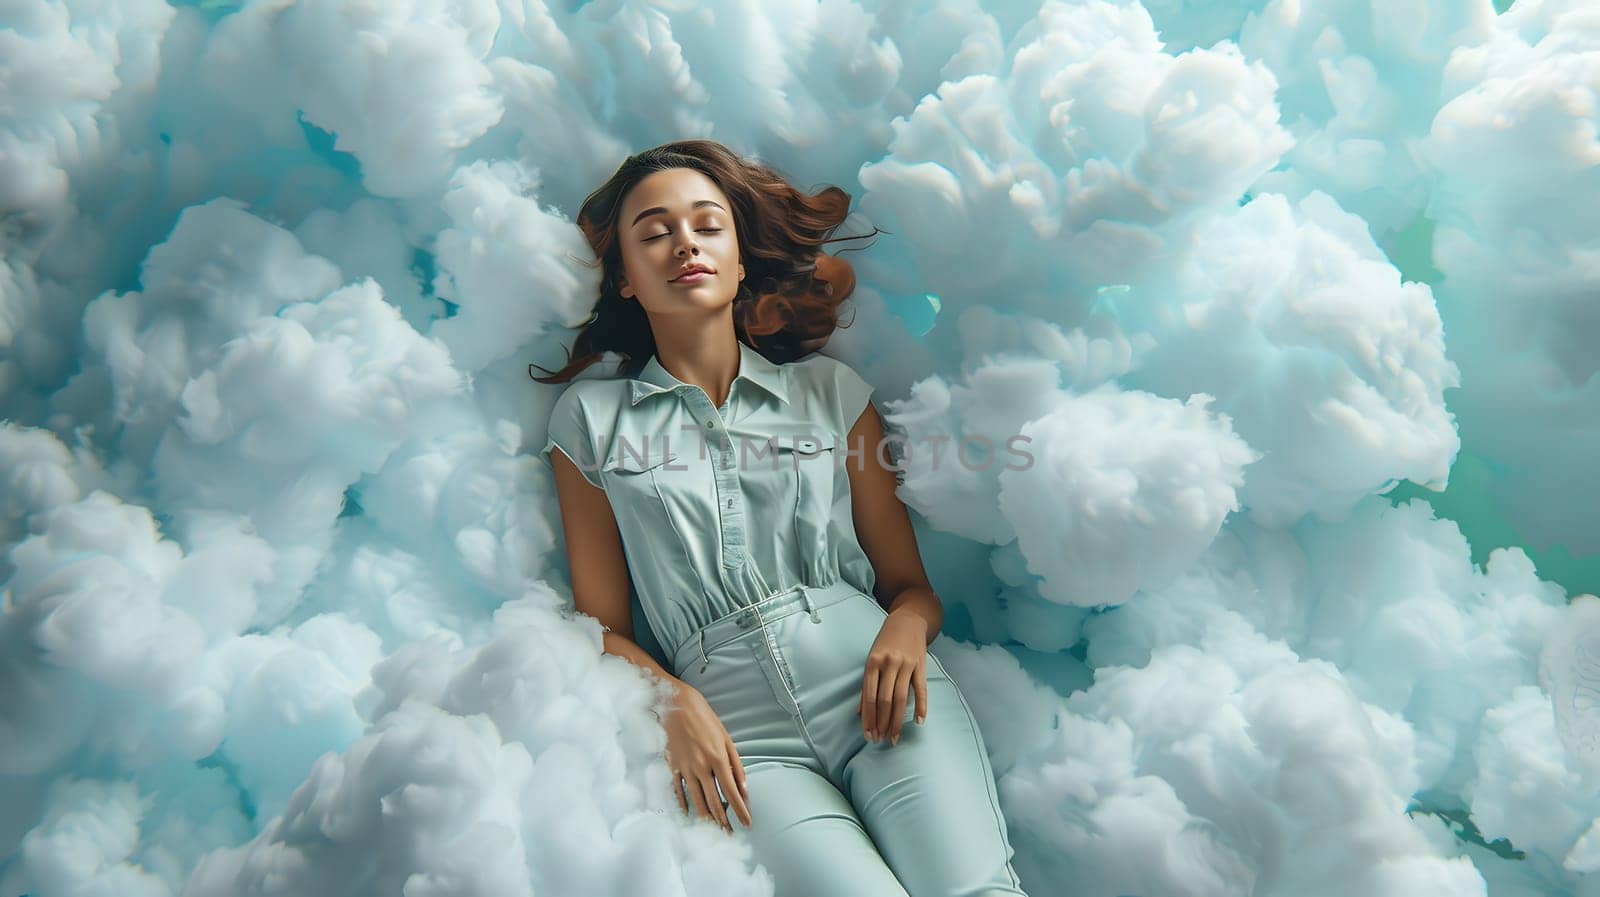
(671,219)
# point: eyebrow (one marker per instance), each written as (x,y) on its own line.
(661,210)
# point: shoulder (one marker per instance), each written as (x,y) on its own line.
(590,397)
(832,388)
(829,371)
(823,371)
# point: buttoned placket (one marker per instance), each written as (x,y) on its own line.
(729,500)
(730,511)
(730,506)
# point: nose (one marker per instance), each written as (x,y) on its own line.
(689,244)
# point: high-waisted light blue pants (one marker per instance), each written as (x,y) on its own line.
(835,815)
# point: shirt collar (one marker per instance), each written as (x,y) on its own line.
(753,366)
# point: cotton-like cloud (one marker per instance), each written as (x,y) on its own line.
(220,270)
(217,367)
(41,474)
(373,236)
(527,764)
(75,75)
(76,85)
(504,299)
(146,639)
(1077,163)
(1569,672)
(1358,85)
(1124,492)
(84,844)
(1518,248)
(1450,652)
(1324,358)
(283,604)
(985,460)
(1205,770)
(1415,630)
(1527,791)
(460,503)
(409,88)
(98,610)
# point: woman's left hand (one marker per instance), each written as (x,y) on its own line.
(896,664)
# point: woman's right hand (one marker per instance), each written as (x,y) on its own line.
(702,756)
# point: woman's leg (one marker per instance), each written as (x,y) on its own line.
(925,819)
(929,801)
(803,830)
(807,836)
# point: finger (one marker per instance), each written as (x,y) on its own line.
(730,789)
(885,702)
(727,784)
(740,807)
(697,793)
(897,713)
(919,681)
(738,774)
(711,781)
(677,786)
(714,800)
(677,791)
(869,706)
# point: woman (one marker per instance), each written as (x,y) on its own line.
(711,472)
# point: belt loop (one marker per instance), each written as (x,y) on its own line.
(706,660)
(806,597)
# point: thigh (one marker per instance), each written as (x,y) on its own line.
(930,803)
(808,837)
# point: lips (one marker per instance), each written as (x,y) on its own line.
(694,270)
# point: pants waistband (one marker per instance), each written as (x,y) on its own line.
(698,646)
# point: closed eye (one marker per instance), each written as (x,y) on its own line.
(703,230)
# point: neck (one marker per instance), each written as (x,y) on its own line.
(706,357)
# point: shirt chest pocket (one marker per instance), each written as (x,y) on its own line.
(788,473)
(631,476)
(662,492)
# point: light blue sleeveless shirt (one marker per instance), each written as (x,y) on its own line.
(719,508)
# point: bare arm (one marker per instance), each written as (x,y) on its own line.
(883,527)
(703,758)
(599,568)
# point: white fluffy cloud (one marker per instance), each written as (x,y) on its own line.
(1519,247)
(1073,165)
(1324,358)
(527,764)
(282,583)
(1125,491)
(1205,769)
(403,85)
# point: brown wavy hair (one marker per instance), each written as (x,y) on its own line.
(781,231)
